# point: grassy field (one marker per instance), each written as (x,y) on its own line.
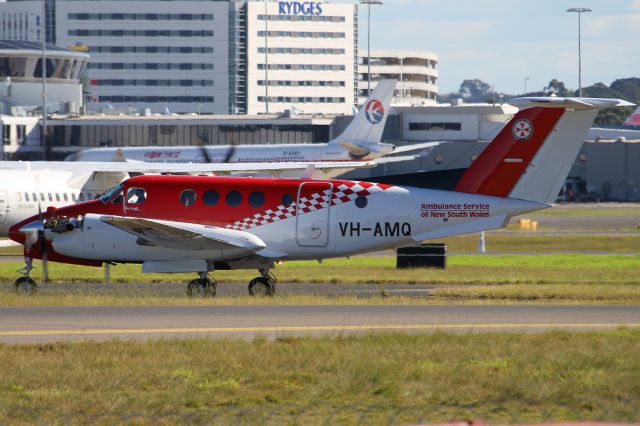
(521,242)
(503,278)
(371,379)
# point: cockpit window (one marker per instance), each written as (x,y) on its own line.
(110,194)
(136,195)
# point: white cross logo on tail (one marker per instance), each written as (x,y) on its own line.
(522,130)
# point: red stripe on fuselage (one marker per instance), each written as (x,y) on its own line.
(490,174)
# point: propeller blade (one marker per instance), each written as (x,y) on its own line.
(205,154)
(230,152)
(41,238)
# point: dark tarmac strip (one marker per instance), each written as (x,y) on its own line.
(48,324)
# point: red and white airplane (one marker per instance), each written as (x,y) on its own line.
(203,224)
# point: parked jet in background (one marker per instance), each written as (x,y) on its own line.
(201,224)
(633,119)
(359,141)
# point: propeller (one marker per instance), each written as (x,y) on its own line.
(34,234)
(231,150)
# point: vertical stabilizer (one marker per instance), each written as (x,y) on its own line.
(369,122)
(633,119)
(532,155)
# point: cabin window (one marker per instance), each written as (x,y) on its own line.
(50,197)
(35,197)
(361,202)
(188,197)
(233,198)
(41,196)
(81,197)
(136,195)
(57,196)
(287,200)
(73,197)
(66,197)
(256,199)
(26,196)
(211,197)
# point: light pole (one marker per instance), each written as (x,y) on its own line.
(579,11)
(525,85)
(43,133)
(266,56)
(369,3)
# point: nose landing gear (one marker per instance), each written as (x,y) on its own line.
(25,284)
(264,285)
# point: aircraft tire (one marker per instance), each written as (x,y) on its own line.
(201,288)
(262,286)
(25,285)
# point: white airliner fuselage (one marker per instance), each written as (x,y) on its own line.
(21,191)
(237,154)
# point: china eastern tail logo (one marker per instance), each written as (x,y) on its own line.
(522,130)
(374,111)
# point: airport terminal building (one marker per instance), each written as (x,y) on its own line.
(207,56)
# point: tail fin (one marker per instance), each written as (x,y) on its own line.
(368,124)
(531,157)
(633,119)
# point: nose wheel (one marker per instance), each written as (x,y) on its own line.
(264,285)
(205,286)
(25,284)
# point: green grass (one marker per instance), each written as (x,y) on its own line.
(530,242)
(601,210)
(466,269)
(469,278)
(372,379)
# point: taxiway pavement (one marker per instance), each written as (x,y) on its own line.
(50,324)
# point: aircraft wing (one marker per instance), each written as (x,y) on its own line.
(80,168)
(415,147)
(185,236)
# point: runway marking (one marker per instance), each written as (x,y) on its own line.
(313,328)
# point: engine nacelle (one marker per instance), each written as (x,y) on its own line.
(96,240)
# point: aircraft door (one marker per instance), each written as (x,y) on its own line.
(4,206)
(312,214)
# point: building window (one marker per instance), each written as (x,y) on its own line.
(435,126)
(303,18)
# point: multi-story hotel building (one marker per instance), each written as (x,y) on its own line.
(207,56)
(415,73)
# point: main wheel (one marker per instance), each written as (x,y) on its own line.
(201,288)
(25,285)
(262,286)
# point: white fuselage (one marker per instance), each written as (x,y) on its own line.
(24,192)
(395,217)
(233,154)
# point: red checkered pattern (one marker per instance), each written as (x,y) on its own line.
(343,193)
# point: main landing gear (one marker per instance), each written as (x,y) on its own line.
(264,285)
(25,284)
(205,286)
